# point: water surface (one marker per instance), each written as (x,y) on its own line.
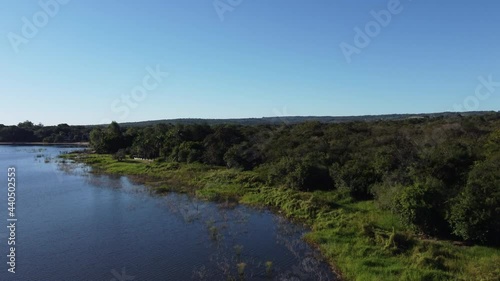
(75,225)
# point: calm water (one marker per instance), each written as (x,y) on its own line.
(74,225)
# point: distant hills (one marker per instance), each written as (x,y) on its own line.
(299,119)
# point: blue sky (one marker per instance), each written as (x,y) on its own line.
(265,58)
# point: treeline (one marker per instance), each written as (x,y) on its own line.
(29,132)
(440,175)
(301,119)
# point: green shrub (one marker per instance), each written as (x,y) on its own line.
(120,155)
(421,206)
(188,152)
(300,175)
(476,210)
(359,177)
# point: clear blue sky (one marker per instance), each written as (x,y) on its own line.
(266,58)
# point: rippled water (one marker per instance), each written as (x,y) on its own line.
(74,225)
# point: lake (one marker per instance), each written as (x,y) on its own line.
(75,225)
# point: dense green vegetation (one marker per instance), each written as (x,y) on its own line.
(439,175)
(416,199)
(29,132)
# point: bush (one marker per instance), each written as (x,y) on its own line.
(300,175)
(476,210)
(359,177)
(385,194)
(421,205)
(242,156)
(188,152)
(120,155)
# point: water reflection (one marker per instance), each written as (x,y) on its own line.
(226,229)
(167,237)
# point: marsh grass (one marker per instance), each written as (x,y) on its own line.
(241,268)
(269,267)
(213,230)
(238,249)
(361,241)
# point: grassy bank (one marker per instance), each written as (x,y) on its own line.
(361,241)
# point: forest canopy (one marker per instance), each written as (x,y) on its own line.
(28,132)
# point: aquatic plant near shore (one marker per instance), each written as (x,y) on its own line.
(238,249)
(241,269)
(269,267)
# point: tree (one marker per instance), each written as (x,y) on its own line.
(97,140)
(113,138)
(188,152)
(26,125)
(120,155)
(492,145)
(449,161)
(16,134)
(217,143)
(358,176)
(422,206)
(108,140)
(476,210)
(300,175)
(242,156)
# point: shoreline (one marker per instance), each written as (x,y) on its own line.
(359,241)
(152,182)
(46,143)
